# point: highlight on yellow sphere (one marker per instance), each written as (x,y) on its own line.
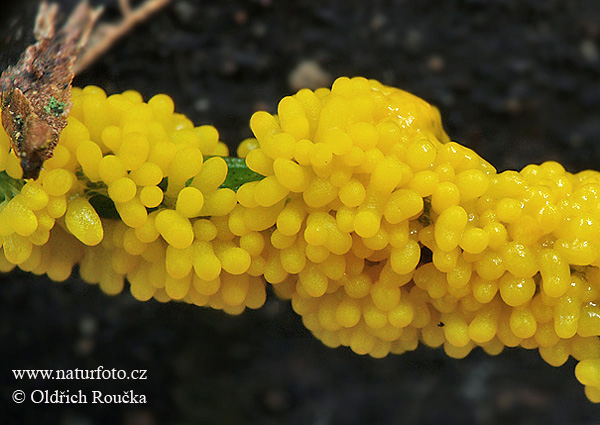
(83,221)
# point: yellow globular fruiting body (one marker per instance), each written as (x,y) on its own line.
(174,228)
(449,227)
(134,150)
(370,164)
(148,161)
(83,221)
(111,168)
(22,219)
(122,190)
(189,202)
(588,373)
(381,231)
(186,163)
(57,182)
(34,196)
(151,196)
(211,176)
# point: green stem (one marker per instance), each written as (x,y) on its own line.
(9,187)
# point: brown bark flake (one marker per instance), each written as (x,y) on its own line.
(36,92)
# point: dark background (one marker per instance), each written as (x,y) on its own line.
(516,80)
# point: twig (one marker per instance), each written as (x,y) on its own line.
(125,7)
(35,93)
(105,35)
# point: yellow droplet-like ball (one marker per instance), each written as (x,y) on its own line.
(83,221)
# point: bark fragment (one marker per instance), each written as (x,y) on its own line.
(36,92)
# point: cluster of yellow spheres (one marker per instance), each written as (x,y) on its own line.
(170,239)
(381,231)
